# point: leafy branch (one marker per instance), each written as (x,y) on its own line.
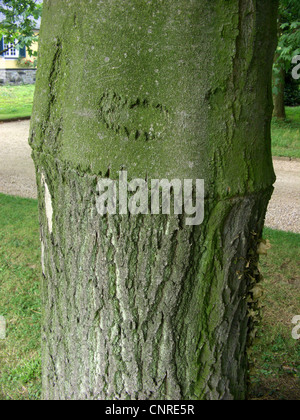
(19,23)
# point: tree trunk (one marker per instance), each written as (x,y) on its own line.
(146,307)
(278,98)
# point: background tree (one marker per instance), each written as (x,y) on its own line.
(291,91)
(288,47)
(145,307)
(18,22)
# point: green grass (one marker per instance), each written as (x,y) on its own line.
(276,355)
(286,134)
(20,299)
(16,101)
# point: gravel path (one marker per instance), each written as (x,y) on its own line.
(17,177)
(284,207)
(17,174)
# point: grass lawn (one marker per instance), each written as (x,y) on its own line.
(16,101)
(286,134)
(20,299)
(276,356)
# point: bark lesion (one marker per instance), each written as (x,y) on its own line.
(136,119)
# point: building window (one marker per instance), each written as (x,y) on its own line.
(13,52)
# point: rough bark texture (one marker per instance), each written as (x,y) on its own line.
(144,307)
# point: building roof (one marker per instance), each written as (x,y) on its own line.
(38,22)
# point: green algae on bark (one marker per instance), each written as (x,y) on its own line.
(146,307)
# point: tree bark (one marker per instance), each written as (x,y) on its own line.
(278,98)
(145,307)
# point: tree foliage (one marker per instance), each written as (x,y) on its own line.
(19,22)
(291,91)
(289,32)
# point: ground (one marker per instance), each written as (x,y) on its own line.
(17,174)
(16,101)
(17,177)
(284,207)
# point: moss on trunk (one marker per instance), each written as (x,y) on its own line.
(146,307)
